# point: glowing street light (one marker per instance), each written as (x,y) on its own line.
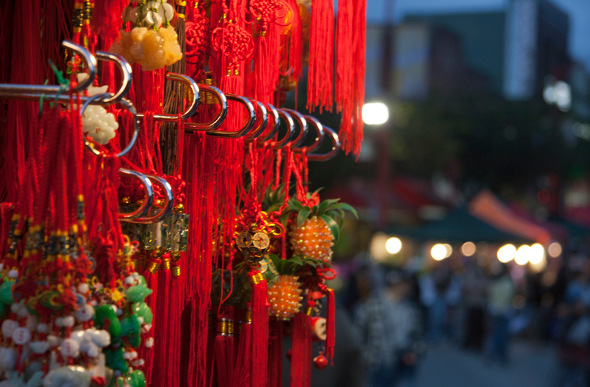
(375,113)
(554,250)
(523,255)
(506,253)
(468,249)
(441,251)
(393,245)
(537,254)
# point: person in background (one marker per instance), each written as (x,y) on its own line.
(406,327)
(474,297)
(574,332)
(500,294)
(372,316)
(391,327)
(439,294)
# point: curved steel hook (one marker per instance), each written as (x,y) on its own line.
(190,110)
(148,201)
(332,152)
(303,128)
(197,126)
(290,129)
(249,124)
(168,202)
(124,69)
(35,91)
(319,130)
(129,106)
(263,121)
(275,126)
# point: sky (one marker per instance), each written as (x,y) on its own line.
(579,11)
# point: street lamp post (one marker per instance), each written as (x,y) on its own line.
(376,115)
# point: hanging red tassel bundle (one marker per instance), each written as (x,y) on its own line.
(291,42)
(330,329)
(350,72)
(223,348)
(275,354)
(107,20)
(243,363)
(320,79)
(260,306)
(301,350)
(262,81)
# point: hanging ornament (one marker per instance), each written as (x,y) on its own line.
(152,42)
(285,294)
(231,42)
(315,225)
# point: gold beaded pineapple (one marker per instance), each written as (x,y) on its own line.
(285,297)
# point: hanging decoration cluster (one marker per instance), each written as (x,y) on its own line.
(156,226)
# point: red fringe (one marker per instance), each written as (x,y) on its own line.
(18,131)
(264,79)
(223,349)
(6,212)
(260,308)
(106,20)
(301,351)
(320,79)
(242,373)
(330,329)
(292,43)
(350,72)
(275,354)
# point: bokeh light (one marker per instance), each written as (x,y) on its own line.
(537,254)
(554,249)
(375,113)
(441,251)
(506,253)
(393,245)
(523,255)
(468,249)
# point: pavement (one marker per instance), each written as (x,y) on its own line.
(446,365)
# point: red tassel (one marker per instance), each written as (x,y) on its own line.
(330,328)
(163,355)
(6,212)
(321,56)
(350,72)
(223,349)
(301,351)
(106,21)
(260,307)
(292,42)
(241,375)
(275,354)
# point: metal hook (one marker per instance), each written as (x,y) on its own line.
(147,202)
(263,121)
(249,124)
(191,109)
(319,129)
(168,202)
(197,126)
(302,126)
(290,129)
(129,106)
(276,123)
(125,70)
(22,91)
(332,153)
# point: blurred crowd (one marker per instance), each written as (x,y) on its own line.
(389,317)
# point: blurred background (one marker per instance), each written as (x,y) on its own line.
(470,261)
